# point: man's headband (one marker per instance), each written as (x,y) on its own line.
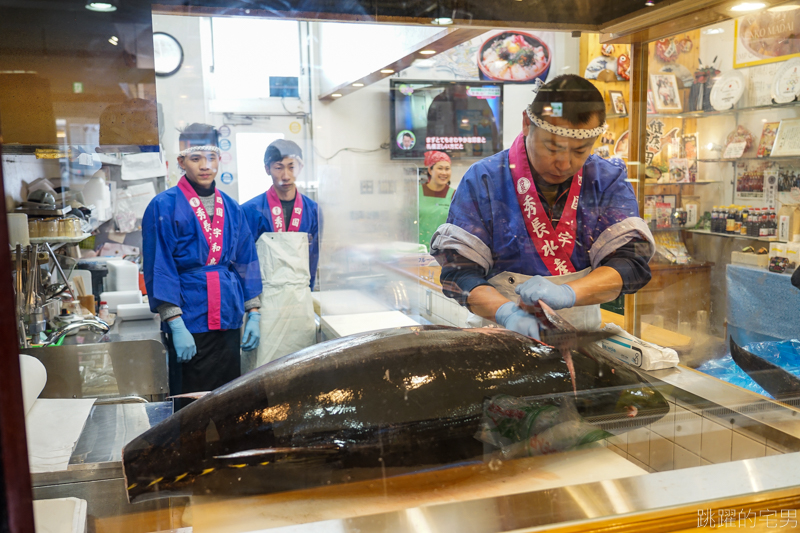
(578,133)
(206,148)
(557,130)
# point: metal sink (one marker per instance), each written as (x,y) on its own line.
(106,370)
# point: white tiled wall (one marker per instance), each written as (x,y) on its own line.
(687,437)
(444,311)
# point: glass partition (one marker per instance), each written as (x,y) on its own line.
(272,270)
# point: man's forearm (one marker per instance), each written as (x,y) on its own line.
(600,286)
(485,300)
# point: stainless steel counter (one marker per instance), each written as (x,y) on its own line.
(122,330)
(95,470)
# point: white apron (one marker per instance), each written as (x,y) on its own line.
(287,310)
(585,317)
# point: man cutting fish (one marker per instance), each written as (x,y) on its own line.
(545,220)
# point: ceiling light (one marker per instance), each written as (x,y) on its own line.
(649,3)
(113,41)
(427,52)
(442,21)
(336,95)
(748,6)
(101,7)
(787,7)
(358,85)
(387,71)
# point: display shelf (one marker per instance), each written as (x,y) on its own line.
(30,149)
(706,232)
(616,115)
(681,183)
(60,240)
(735,111)
(751,158)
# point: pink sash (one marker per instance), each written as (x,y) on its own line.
(276,210)
(214,232)
(553,246)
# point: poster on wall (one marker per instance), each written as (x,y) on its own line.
(462,61)
(766,37)
(750,180)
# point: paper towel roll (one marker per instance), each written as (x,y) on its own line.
(18,229)
(34,377)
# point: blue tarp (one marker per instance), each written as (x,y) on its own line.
(785,354)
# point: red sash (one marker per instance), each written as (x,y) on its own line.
(214,232)
(276,210)
(553,246)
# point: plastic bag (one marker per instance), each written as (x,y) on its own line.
(634,351)
(523,428)
(785,354)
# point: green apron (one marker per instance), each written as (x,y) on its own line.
(432,214)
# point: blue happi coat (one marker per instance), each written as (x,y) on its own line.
(175,251)
(485,222)
(256,211)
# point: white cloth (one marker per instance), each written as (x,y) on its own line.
(287,310)
(585,317)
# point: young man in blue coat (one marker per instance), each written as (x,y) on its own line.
(545,220)
(201,270)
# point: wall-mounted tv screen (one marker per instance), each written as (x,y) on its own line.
(462,119)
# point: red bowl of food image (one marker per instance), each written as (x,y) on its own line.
(514,56)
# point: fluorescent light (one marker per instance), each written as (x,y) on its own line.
(358,85)
(101,7)
(113,41)
(748,6)
(387,71)
(442,21)
(787,7)
(427,52)
(336,95)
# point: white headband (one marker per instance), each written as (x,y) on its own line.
(566,132)
(206,148)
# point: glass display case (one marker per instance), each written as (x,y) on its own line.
(515,300)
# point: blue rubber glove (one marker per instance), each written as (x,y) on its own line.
(537,288)
(512,317)
(182,340)
(252,332)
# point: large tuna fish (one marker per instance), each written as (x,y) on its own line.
(367,406)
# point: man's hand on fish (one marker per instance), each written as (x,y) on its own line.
(537,288)
(182,340)
(252,332)
(512,317)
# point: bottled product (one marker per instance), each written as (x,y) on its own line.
(730,222)
(745,215)
(737,230)
(102,313)
(714,219)
(763,230)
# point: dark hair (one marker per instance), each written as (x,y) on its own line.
(280,149)
(579,98)
(406,134)
(199,135)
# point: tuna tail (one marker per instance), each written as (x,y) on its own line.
(775,380)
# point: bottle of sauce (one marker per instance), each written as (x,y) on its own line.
(730,222)
(745,222)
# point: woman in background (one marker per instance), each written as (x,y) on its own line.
(434,196)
